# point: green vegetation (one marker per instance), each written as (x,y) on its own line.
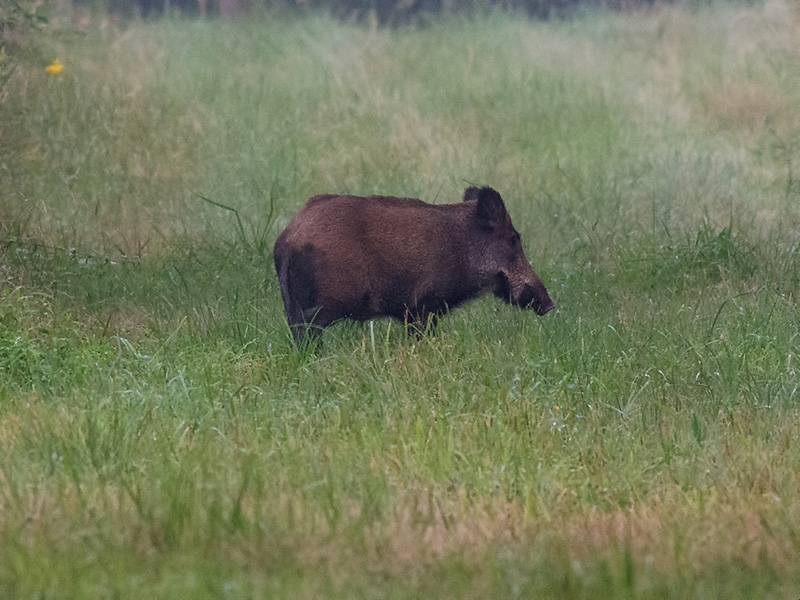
(159,435)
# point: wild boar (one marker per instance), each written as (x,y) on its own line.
(362,257)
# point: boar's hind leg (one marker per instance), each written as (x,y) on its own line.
(305,333)
(299,290)
(308,328)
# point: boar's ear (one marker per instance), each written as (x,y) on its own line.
(471,193)
(490,210)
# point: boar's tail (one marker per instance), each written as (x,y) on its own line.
(281,258)
(282,269)
(297,279)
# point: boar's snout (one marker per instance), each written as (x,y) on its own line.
(529,293)
(535,296)
(525,289)
(543,309)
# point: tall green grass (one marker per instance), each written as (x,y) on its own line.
(159,434)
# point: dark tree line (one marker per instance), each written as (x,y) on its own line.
(387,12)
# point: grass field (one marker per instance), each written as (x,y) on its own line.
(160,437)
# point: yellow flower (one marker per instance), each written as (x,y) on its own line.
(54,67)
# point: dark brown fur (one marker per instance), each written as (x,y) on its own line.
(362,257)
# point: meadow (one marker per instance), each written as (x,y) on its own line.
(161,437)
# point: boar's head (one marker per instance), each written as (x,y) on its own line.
(499,256)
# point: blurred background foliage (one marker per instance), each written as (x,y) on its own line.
(384,12)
